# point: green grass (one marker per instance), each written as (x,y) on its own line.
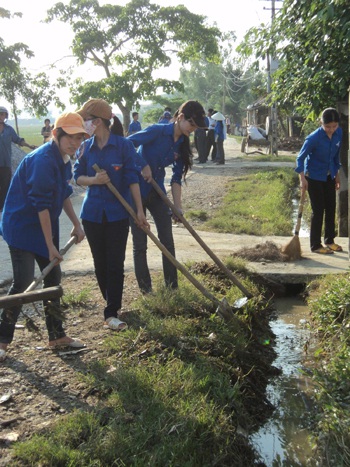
(329,303)
(257,204)
(182,384)
(31,133)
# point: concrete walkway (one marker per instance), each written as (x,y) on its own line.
(78,259)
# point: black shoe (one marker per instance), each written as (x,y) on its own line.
(202,162)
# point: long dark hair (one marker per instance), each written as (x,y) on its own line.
(116,128)
(185,151)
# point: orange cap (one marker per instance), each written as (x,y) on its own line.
(71,123)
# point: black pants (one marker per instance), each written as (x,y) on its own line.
(162,218)
(323,201)
(108,244)
(211,144)
(5,180)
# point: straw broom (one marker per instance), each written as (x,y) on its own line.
(293,249)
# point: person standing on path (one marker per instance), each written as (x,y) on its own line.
(318,166)
(220,136)
(38,192)
(135,125)
(160,146)
(46,131)
(200,140)
(211,144)
(105,219)
(7,137)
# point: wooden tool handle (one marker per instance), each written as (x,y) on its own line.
(52,264)
(201,242)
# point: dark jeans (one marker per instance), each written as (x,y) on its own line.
(5,180)
(211,144)
(323,201)
(201,144)
(162,220)
(23,264)
(220,152)
(108,244)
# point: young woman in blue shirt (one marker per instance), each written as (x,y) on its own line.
(38,192)
(105,220)
(318,166)
(160,146)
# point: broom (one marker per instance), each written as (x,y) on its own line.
(293,249)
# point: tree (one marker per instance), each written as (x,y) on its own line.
(129,43)
(228,88)
(308,38)
(16,83)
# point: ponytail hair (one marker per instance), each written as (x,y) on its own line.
(185,151)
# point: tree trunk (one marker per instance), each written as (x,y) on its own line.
(342,194)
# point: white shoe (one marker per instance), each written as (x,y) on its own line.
(2,355)
(115,324)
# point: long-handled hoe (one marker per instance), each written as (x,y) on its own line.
(223,308)
(30,295)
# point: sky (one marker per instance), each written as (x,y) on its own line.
(50,42)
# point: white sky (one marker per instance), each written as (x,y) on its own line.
(50,42)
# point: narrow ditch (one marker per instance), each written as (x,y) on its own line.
(284,438)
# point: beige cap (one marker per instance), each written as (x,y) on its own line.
(96,108)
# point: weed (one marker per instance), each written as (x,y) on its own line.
(76,299)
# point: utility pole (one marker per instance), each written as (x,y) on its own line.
(273,136)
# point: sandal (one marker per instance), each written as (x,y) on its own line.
(73,343)
(115,324)
(323,251)
(334,247)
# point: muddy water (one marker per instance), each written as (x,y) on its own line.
(283,440)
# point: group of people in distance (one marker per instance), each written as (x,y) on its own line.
(40,190)
(93,136)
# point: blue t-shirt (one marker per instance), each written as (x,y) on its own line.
(320,155)
(156,147)
(118,159)
(134,127)
(7,137)
(41,181)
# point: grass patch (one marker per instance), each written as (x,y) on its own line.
(31,133)
(257,204)
(75,299)
(175,389)
(197,215)
(329,302)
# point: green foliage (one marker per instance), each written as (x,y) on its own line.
(329,302)
(129,43)
(227,87)
(308,39)
(257,204)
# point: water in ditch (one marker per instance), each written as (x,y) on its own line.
(284,439)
